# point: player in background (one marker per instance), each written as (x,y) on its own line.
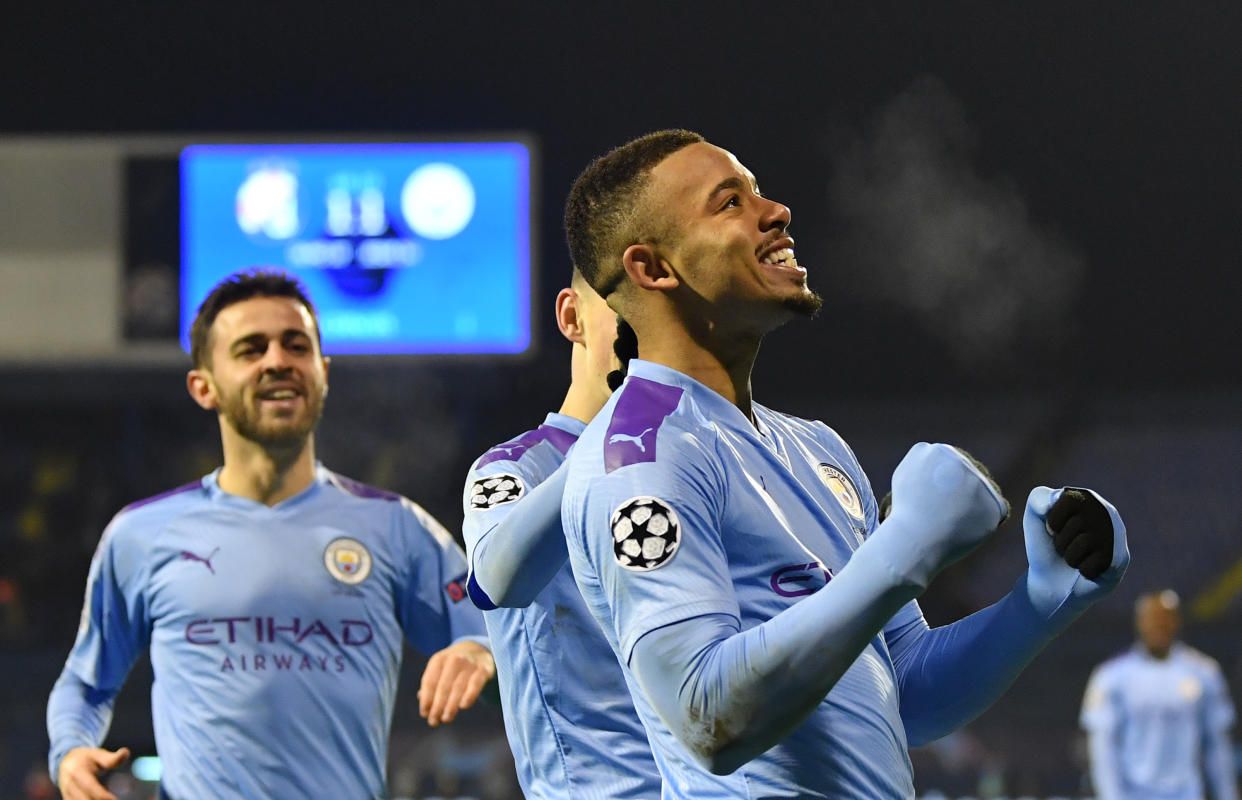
(568,713)
(1158,716)
(272,593)
(764,618)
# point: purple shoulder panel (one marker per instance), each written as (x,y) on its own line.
(189,487)
(636,421)
(513,449)
(357,489)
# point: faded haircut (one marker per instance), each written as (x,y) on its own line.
(602,214)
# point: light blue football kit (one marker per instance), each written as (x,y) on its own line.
(275,634)
(1156,726)
(568,713)
(712,549)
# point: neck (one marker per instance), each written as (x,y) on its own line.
(721,363)
(587,393)
(1160,653)
(263,474)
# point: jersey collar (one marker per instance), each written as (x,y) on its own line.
(564,422)
(211,483)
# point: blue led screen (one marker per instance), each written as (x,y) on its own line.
(405,248)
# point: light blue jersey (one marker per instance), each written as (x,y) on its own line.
(568,713)
(1157,725)
(678,507)
(275,634)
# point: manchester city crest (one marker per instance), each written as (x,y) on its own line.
(843,490)
(347,560)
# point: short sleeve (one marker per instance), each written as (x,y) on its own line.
(431,597)
(651,533)
(115,627)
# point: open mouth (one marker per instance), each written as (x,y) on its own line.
(784,257)
(280,397)
(779,252)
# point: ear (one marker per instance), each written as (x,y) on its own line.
(198,382)
(647,270)
(567,317)
(327,362)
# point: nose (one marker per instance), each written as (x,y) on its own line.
(276,358)
(775,215)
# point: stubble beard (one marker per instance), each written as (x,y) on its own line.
(279,434)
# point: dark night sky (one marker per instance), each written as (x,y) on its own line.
(1116,124)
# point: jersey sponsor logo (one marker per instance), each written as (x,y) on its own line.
(294,630)
(1189,688)
(186,555)
(495,490)
(347,560)
(456,588)
(645,533)
(797,580)
(843,490)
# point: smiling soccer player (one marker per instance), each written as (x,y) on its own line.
(764,618)
(273,594)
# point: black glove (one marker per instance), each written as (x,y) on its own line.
(1082,532)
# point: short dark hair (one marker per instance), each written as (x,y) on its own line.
(601,212)
(235,288)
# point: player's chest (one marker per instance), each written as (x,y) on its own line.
(794,515)
(1163,692)
(222,564)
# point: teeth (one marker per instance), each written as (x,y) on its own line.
(282,394)
(784,256)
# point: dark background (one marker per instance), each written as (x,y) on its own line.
(1024,219)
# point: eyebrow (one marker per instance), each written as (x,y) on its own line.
(256,337)
(733,182)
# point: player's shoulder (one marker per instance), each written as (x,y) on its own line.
(1198,659)
(140,516)
(648,422)
(357,491)
(546,438)
(803,428)
(136,527)
(1116,665)
(386,504)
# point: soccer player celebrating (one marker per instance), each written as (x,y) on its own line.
(272,594)
(568,713)
(765,620)
(1158,716)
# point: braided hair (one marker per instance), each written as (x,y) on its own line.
(626,347)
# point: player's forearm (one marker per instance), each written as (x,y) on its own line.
(950,675)
(514,561)
(78,715)
(1218,764)
(729,696)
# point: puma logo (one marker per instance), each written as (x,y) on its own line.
(186,555)
(626,437)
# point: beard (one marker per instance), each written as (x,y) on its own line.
(272,433)
(804,304)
